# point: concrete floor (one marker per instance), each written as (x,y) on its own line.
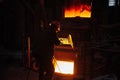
(15,72)
(11,68)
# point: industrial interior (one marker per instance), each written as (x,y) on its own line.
(90,33)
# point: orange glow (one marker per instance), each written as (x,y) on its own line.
(64,67)
(78,11)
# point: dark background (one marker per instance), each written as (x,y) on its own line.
(98,35)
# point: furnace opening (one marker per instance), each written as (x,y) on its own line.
(77,8)
(64,67)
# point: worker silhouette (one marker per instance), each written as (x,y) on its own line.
(44,50)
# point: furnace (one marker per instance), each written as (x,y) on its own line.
(65,56)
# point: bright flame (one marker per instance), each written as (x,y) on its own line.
(78,11)
(65,67)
